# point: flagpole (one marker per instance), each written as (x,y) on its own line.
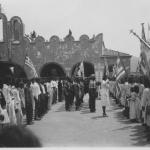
(131,31)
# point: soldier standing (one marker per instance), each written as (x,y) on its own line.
(76,93)
(28,103)
(67,95)
(92,93)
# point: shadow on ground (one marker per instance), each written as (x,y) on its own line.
(61,108)
(139,134)
(85,108)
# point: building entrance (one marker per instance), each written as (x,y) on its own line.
(52,70)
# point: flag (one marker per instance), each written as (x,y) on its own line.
(141,67)
(106,70)
(114,71)
(29,63)
(145,55)
(116,90)
(120,69)
(81,70)
(12,69)
(145,52)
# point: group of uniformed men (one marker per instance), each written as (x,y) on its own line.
(76,88)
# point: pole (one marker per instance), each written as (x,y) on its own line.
(146,44)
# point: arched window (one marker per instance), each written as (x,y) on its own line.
(17,29)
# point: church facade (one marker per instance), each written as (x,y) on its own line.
(54,56)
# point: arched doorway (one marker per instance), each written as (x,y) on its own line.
(88,69)
(52,70)
(11,70)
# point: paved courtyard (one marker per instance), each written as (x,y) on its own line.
(82,128)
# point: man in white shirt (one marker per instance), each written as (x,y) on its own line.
(35,92)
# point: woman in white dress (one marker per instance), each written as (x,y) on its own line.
(17,105)
(132,108)
(104,97)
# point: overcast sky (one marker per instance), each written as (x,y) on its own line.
(113,18)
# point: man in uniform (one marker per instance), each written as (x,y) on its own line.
(92,93)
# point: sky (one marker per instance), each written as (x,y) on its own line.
(113,18)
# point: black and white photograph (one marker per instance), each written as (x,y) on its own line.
(74,73)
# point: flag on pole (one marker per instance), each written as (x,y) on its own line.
(29,63)
(106,70)
(120,69)
(81,70)
(145,52)
(145,55)
(114,71)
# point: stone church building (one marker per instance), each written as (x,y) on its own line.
(53,57)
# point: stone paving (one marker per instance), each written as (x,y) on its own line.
(59,128)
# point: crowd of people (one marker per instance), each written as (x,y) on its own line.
(31,99)
(133,94)
(27,100)
(76,89)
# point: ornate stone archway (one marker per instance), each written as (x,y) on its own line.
(52,69)
(11,69)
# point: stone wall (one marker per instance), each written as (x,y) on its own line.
(66,52)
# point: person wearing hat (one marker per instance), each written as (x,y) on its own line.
(92,93)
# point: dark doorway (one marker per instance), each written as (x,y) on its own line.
(52,70)
(88,69)
(12,70)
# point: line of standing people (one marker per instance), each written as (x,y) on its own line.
(30,100)
(134,97)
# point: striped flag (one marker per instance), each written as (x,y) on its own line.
(120,70)
(145,52)
(29,63)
